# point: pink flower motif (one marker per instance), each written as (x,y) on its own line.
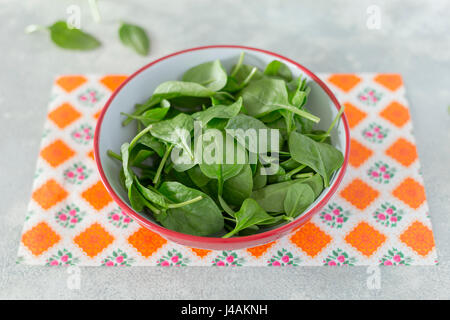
(341,259)
(64,258)
(376,129)
(109,263)
(328,217)
(394,219)
(382,168)
(74,220)
(63,217)
(174,259)
(276,264)
(54,263)
(389,211)
(369,134)
(119,259)
(381,216)
(123,212)
(397,258)
(336,212)
(73,212)
(165,263)
(387,263)
(363,98)
(332,263)
(80,169)
(115,217)
(285,259)
(86,130)
(81,177)
(220,263)
(370,93)
(375,174)
(87,137)
(340,220)
(70,174)
(380,136)
(230,259)
(83,98)
(77,135)
(126,220)
(386,176)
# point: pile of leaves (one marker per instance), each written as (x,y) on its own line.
(227,199)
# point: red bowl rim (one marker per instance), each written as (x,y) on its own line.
(212,240)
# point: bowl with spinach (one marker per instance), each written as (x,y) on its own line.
(222,147)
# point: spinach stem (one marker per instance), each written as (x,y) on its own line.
(161,164)
(138,136)
(304,175)
(301,113)
(249,77)
(114,155)
(94,10)
(238,65)
(294,171)
(341,110)
(34,27)
(185,203)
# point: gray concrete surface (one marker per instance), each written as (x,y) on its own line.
(326,36)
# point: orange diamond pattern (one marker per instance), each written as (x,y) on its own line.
(311,239)
(49,194)
(365,239)
(358,153)
(410,192)
(390,81)
(260,250)
(70,83)
(146,242)
(93,240)
(40,238)
(353,114)
(57,153)
(113,82)
(345,82)
(90,154)
(359,194)
(64,115)
(97,114)
(403,151)
(201,252)
(97,196)
(419,238)
(396,113)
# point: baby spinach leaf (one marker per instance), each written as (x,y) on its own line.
(321,157)
(298,197)
(316,184)
(151,142)
(149,116)
(271,197)
(134,37)
(222,169)
(71,38)
(209,74)
(201,218)
(197,176)
(266,95)
(278,69)
(250,214)
(219,112)
(174,131)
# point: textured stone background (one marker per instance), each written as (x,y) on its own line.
(326,36)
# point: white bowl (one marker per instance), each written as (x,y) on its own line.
(110,134)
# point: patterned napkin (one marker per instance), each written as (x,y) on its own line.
(378,216)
